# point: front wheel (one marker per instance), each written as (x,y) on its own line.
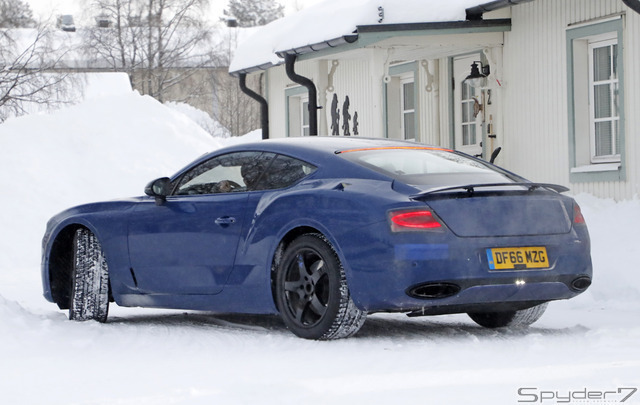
(524,317)
(312,293)
(89,298)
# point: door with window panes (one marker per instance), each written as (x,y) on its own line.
(467,117)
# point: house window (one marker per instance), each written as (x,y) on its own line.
(401,102)
(304,113)
(603,99)
(468,115)
(297,99)
(408,109)
(595,90)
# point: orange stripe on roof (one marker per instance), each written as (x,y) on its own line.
(394,147)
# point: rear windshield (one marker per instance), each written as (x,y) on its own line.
(427,166)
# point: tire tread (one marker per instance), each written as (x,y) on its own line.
(90,279)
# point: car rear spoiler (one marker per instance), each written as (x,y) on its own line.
(470,188)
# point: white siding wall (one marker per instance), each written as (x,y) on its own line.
(276,83)
(352,78)
(429,102)
(535,137)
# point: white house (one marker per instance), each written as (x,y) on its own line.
(561,97)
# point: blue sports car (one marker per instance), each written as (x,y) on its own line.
(323,231)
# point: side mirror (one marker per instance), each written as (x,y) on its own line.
(159,188)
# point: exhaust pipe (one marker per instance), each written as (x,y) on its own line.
(581,283)
(434,291)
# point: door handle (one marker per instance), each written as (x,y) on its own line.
(225,221)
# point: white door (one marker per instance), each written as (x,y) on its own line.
(468,118)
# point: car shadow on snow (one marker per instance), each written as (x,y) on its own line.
(376,326)
(456,327)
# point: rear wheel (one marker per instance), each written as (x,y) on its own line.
(312,293)
(524,317)
(89,298)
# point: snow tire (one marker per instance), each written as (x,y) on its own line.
(312,292)
(522,318)
(89,298)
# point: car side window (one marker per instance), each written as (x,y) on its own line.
(283,172)
(224,174)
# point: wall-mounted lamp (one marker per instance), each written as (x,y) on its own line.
(475,78)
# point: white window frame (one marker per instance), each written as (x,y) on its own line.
(598,42)
(581,167)
(468,105)
(404,111)
(304,108)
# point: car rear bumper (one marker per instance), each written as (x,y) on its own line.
(438,274)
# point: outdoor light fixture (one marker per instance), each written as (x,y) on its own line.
(475,78)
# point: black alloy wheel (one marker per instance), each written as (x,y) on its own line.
(312,293)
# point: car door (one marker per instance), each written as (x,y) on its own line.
(188,244)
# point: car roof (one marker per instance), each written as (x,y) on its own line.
(312,145)
(317,150)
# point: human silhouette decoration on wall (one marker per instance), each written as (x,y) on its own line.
(346,117)
(335,116)
(355,123)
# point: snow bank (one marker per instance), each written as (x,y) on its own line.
(106,147)
(204,120)
(613,227)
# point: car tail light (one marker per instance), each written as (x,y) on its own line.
(414,220)
(577,215)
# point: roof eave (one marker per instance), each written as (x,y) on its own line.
(475,13)
(435,26)
(332,43)
(375,31)
(253,69)
(474,21)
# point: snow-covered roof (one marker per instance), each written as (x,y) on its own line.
(334,19)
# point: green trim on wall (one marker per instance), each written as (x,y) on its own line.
(580,33)
(401,69)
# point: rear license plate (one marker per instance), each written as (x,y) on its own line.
(518,258)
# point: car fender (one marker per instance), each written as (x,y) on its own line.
(111,234)
(281,211)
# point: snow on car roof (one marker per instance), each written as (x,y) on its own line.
(332,19)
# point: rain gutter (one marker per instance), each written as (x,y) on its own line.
(264,106)
(476,12)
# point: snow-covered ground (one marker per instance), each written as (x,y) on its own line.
(111,145)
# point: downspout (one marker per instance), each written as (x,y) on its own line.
(289,61)
(264,106)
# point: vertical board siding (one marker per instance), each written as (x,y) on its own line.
(428,103)
(353,78)
(535,109)
(276,83)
